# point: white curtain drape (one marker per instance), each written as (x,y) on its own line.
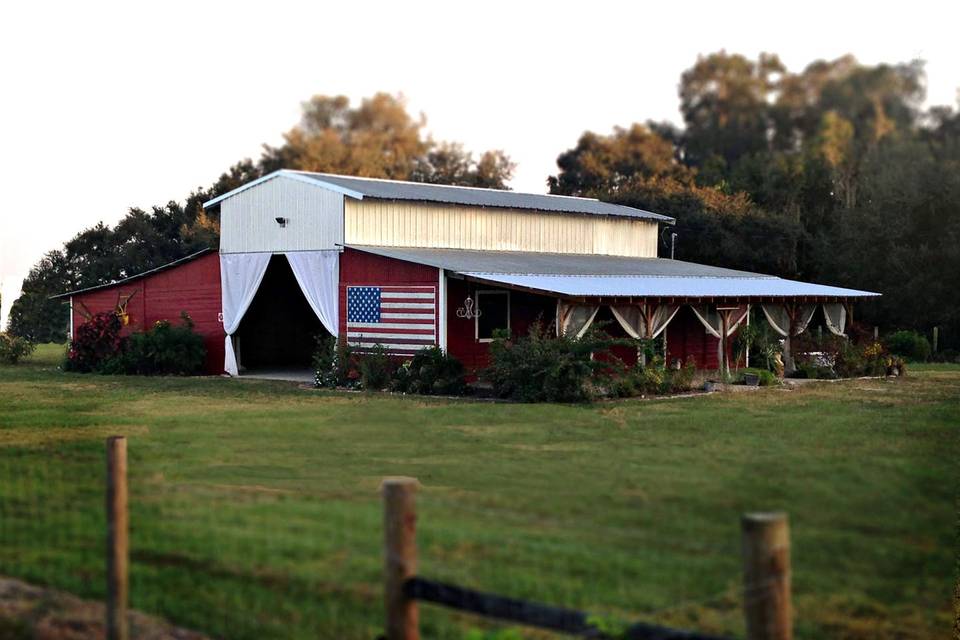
(712,321)
(240,277)
(645,320)
(710,318)
(835,315)
(778,315)
(318,274)
(575,319)
(789,320)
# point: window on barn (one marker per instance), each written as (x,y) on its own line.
(494,307)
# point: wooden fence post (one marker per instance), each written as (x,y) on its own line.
(400,557)
(766,576)
(936,338)
(117,539)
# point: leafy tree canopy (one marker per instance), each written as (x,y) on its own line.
(380,139)
(832,174)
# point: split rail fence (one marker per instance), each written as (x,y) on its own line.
(765,548)
(766,577)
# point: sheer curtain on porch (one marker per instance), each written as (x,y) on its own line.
(573,319)
(712,320)
(835,317)
(645,320)
(788,320)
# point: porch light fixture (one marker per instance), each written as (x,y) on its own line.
(467,311)
(281,221)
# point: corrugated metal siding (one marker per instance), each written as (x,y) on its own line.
(248,219)
(414,224)
(476,197)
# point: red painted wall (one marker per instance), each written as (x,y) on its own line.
(358,268)
(193,287)
(686,336)
(525,309)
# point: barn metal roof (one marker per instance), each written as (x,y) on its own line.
(360,188)
(610,276)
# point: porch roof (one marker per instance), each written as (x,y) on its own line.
(610,276)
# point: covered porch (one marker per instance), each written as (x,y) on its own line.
(694,310)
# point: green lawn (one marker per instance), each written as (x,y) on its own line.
(255,511)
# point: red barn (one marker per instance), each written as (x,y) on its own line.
(407,265)
(190,285)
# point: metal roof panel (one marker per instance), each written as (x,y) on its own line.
(524,262)
(670,286)
(609,276)
(360,188)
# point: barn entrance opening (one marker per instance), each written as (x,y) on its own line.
(277,335)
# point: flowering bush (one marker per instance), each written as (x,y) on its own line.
(335,364)
(429,372)
(94,342)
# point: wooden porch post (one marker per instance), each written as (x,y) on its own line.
(724,324)
(789,366)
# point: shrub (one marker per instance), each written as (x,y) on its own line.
(94,342)
(335,363)
(14,348)
(682,379)
(539,367)
(814,371)
(375,368)
(654,378)
(163,350)
(763,343)
(430,372)
(908,344)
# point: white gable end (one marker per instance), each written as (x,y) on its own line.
(312,217)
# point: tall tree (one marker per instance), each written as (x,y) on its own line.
(34,315)
(724,99)
(606,162)
(379,139)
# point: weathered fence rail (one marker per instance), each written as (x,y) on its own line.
(766,562)
(533,614)
(765,543)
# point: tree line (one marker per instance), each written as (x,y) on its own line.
(834,173)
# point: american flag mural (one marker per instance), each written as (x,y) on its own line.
(403,319)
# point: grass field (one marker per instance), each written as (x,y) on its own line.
(255,511)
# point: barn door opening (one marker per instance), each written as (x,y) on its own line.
(277,335)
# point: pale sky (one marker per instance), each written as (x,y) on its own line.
(107,105)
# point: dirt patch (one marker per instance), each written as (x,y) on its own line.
(36,613)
